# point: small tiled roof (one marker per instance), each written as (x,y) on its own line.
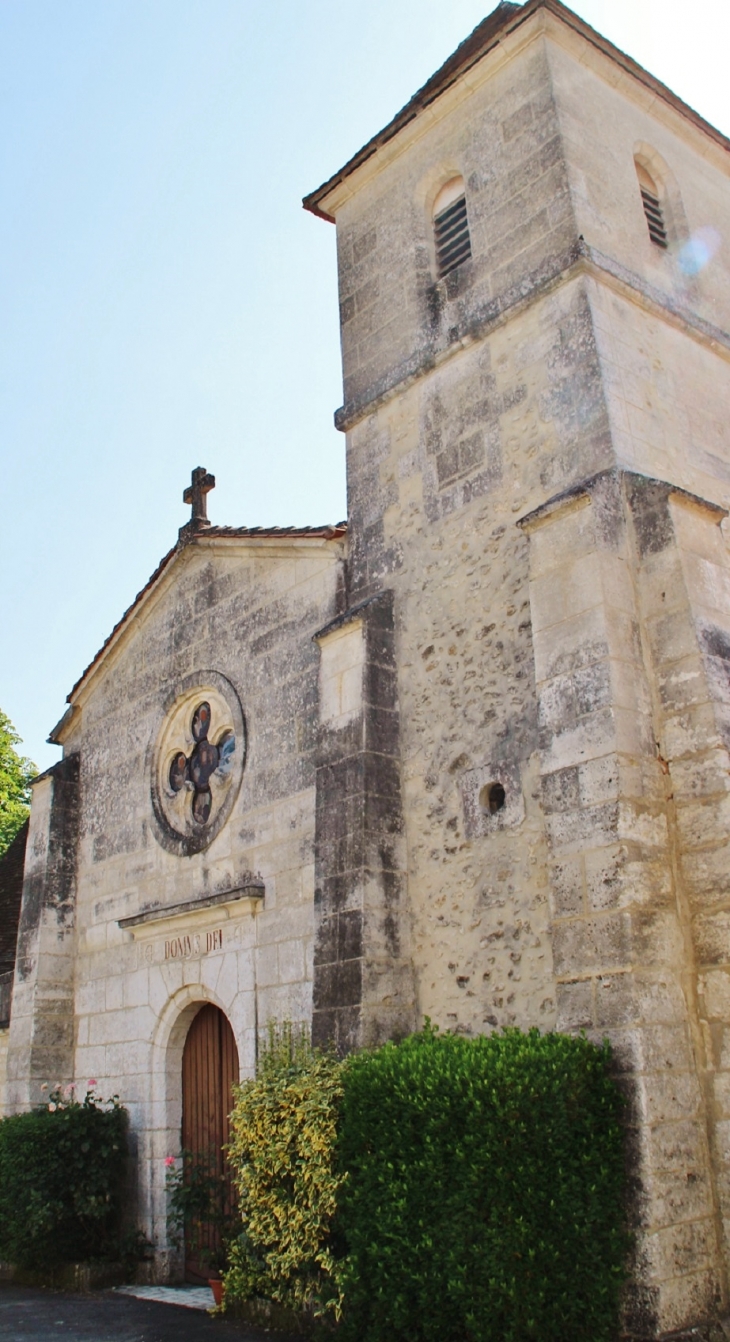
(482,40)
(208,533)
(327,533)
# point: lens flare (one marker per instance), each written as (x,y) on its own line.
(699,250)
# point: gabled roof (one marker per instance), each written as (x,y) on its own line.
(485,37)
(207,534)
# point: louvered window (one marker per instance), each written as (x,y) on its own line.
(652,207)
(451,227)
(654,218)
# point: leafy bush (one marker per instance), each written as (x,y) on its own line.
(484,1191)
(282,1153)
(438,1190)
(62,1170)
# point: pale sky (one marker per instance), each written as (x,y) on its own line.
(164,300)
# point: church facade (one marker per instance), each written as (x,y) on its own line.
(465,756)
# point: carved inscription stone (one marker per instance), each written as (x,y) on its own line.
(191,944)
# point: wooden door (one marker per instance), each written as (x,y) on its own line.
(209,1070)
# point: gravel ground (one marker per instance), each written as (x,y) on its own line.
(30,1315)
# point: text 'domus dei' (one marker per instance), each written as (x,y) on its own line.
(186,947)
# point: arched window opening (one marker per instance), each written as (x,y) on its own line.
(652,207)
(451,227)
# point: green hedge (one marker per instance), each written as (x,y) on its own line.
(62,1171)
(442,1189)
(484,1198)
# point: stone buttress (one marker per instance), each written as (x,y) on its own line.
(41,1040)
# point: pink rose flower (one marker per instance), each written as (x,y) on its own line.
(92,1083)
(169,1160)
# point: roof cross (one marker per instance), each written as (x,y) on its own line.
(201,484)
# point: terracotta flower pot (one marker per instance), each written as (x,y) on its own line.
(216,1286)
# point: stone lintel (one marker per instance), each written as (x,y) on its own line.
(255,892)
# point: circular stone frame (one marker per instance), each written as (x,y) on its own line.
(174,826)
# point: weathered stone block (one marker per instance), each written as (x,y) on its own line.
(561,790)
(575,1005)
(567,887)
(672,636)
(712,937)
(572,831)
(704,822)
(714,985)
(669,1098)
(593,688)
(616,1002)
(566,592)
(704,776)
(573,538)
(694,1295)
(591,737)
(492,798)
(690,732)
(575,643)
(600,942)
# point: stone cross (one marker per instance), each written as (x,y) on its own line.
(201,484)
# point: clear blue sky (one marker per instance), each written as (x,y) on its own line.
(164,300)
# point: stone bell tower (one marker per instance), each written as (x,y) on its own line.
(524,782)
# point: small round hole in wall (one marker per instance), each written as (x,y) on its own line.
(492,798)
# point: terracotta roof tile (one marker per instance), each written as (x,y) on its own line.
(327,532)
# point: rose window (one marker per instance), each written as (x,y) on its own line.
(200,757)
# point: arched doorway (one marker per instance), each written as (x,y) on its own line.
(209,1071)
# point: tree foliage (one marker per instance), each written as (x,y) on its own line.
(16,773)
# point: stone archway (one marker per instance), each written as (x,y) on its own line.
(210,1068)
